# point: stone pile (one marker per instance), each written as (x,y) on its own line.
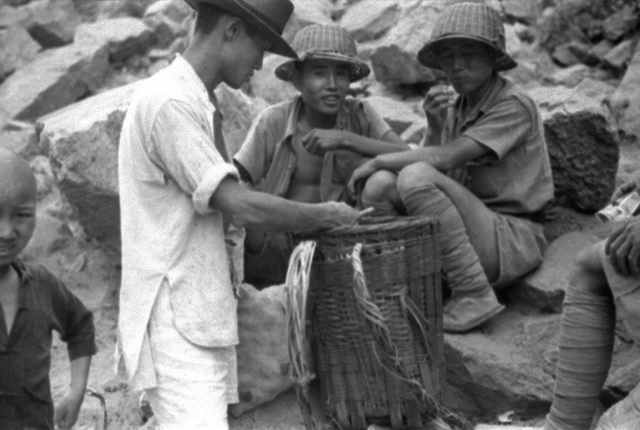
(63,64)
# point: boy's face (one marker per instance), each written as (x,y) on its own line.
(323,85)
(468,65)
(17,210)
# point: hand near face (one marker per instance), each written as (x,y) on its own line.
(623,247)
(319,141)
(435,104)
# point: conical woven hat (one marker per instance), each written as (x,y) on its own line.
(325,42)
(471,21)
(268,17)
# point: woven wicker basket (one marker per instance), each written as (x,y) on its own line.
(364,379)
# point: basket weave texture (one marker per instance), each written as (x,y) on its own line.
(358,377)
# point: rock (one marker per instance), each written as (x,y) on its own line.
(620,55)
(625,375)
(266,85)
(394,66)
(11,16)
(400,116)
(52,22)
(371,19)
(82,142)
(307,13)
(506,366)
(165,18)
(583,143)
(620,23)
(64,75)
(393,57)
(16,2)
(21,140)
(96,10)
(49,236)
(124,36)
(521,11)
(570,76)
(565,55)
(544,288)
(16,49)
(625,102)
(239,110)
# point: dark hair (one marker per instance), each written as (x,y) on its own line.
(209,16)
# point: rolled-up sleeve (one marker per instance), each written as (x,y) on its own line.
(184,150)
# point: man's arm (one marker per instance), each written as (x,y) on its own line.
(318,141)
(261,211)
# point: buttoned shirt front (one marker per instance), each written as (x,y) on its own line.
(44,304)
(269,157)
(169,168)
(515,177)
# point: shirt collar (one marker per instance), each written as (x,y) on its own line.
(25,276)
(292,121)
(488,99)
(185,70)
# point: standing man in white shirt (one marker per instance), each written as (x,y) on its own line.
(177,327)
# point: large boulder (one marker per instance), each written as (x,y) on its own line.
(371,19)
(123,36)
(266,85)
(81,141)
(545,287)
(583,143)
(52,22)
(625,102)
(16,49)
(506,366)
(166,18)
(306,13)
(55,78)
(238,110)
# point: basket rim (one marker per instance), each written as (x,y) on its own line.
(378,225)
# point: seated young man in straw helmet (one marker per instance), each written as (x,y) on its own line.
(483,170)
(179,193)
(306,149)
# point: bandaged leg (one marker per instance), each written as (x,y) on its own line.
(473,301)
(585,348)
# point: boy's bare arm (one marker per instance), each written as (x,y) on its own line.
(247,208)
(318,141)
(69,408)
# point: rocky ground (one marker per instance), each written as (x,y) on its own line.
(69,67)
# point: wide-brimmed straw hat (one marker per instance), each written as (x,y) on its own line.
(267,17)
(325,42)
(470,21)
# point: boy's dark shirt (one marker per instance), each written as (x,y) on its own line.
(44,304)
